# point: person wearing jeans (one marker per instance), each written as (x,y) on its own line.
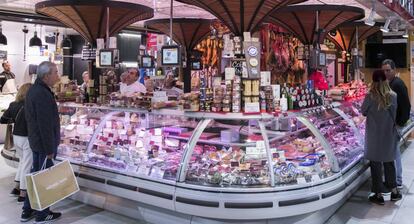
(43,130)
(403,108)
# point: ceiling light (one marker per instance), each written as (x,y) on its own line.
(370,20)
(66,43)
(35,41)
(385,28)
(405,35)
(3,39)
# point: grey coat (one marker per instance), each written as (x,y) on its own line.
(381,137)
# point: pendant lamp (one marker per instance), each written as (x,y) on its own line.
(3,39)
(66,42)
(35,41)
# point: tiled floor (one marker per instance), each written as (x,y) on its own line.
(356,210)
(73,211)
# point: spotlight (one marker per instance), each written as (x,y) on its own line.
(385,28)
(370,20)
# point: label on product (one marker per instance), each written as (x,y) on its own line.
(143,170)
(159,96)
(276,91)
(139,144)
(265,78)
(252,107)
(122,132)
(157,139)
(229,73)
(301,180)
(316,177)
(141,133)
(255,151)
(157,172)
(157,131)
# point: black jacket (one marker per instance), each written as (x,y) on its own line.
(42,119)
(15,114)
(403,101)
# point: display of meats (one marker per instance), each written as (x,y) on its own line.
(347,91)
(152,145)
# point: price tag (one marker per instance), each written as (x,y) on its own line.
(141,133)
(160,94)
(139,144)
(301,180)
(255,151)
(273,150)
(316,177)
(252,107)
(260,145)
(156,172)
(229,73)
(143,170)
(158,131)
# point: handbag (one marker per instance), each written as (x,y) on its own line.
(49,186)
(8,140)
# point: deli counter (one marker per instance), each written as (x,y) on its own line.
(218,166)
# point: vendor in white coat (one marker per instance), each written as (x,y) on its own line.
(132,85)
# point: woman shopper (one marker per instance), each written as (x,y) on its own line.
(15,114)
(381,137)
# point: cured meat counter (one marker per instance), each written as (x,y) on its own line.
(217,166)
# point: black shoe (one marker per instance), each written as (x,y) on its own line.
(377,199)
(400,187)
(15,192)
(51,217)
(20,200)
(27,216)
(396,196)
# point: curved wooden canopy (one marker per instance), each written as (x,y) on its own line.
(186,32)
(300,20)
(240,15)
(89,17)
(345,37)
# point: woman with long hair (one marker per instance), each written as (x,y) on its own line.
(15,114)
(381,137)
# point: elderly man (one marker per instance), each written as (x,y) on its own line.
(43,130)
(6,74)
(403,107)
(85,85)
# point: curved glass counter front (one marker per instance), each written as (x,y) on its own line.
(221,152)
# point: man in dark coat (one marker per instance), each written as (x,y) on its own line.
(403,107)
(43,130)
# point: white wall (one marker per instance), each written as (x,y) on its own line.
(15,44)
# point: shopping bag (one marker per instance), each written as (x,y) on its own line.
(51,185)
(8,140)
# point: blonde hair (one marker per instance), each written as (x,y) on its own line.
(381,93)
(21,94)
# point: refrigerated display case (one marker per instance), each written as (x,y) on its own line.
(218,166)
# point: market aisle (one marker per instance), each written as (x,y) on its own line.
(359,210)
(73,212)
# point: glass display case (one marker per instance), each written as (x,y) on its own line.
(212,150)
